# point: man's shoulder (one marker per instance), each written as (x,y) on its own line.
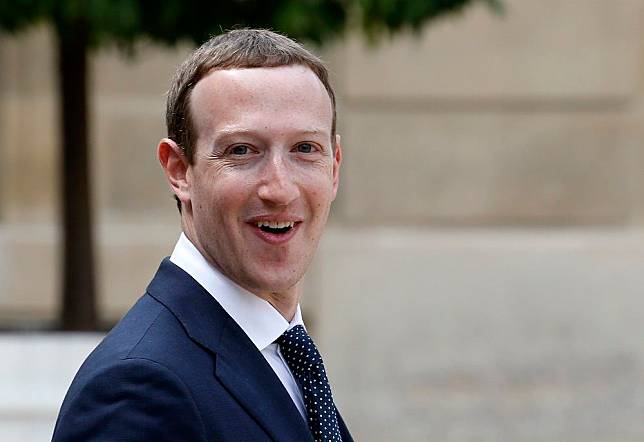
(136,323)
(149,331)
(128,387)
(126,337)
(157,326)
(148,345)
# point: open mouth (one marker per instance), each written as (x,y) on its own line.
(275,227)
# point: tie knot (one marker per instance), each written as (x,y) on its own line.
(298,350)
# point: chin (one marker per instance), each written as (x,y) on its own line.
(277,286)
(274,283)
(279,272)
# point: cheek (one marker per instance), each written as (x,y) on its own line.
(322,191)
(320,203)
(219,189)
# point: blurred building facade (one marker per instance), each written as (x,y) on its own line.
(481,275)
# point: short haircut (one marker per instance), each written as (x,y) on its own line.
(236,49)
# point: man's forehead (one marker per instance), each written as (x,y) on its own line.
(267,72)
(243,91)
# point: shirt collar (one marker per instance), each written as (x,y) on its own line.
(257,317)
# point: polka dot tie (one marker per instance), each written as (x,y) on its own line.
(305,363)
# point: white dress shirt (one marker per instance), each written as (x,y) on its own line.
(257,318)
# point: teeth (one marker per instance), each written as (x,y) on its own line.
(275,224)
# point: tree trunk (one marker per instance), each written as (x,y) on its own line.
(79,296)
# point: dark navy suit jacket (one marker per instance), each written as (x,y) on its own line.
(177,367)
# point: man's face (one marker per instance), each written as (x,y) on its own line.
(264,173)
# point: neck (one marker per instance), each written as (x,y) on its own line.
(285,303)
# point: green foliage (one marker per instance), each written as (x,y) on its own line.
(124,21)
(380,16)
(15,15)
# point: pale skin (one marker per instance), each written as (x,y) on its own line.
(264,154)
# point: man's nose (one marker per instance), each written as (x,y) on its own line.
(278,186)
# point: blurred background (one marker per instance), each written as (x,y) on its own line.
(481,276)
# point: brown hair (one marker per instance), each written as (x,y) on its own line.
(237,49)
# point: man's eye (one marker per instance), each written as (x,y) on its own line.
(305,148)
(239,150)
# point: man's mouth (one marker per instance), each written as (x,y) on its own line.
(275,227)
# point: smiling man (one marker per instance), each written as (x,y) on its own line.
(216,348)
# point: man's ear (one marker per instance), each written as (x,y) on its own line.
(175,166)
(337,160)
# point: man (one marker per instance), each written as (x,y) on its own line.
(216,349)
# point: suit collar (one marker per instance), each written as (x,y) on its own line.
(239,365)
(201,316)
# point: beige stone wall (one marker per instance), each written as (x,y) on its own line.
(534,118)
(481,276)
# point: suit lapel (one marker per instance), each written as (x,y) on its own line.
(251,380)
(239,366)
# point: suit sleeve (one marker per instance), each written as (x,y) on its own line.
(133,400)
